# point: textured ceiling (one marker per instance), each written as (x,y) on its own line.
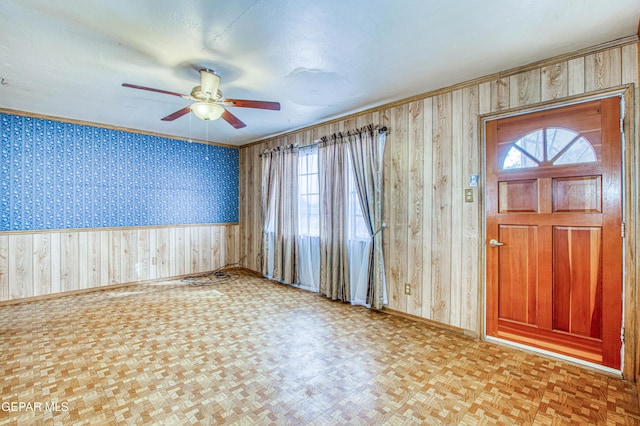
(319,59)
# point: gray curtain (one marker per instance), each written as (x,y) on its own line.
(367,150)
(280,213)
(334,262)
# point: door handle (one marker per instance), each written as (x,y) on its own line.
(494,243)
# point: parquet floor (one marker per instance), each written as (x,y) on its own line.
(247,351)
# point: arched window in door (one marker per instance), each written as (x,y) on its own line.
(550,146)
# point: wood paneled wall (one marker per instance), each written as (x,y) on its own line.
(48,262)
(434,240)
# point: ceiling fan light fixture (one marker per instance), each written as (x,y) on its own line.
(207,110)
(209,83)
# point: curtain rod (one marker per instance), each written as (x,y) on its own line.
(356,131)
(318,141)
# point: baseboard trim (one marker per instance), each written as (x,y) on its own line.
(454,329)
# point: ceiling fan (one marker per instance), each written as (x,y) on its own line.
(209,103)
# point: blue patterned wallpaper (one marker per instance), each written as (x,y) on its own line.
(56,175)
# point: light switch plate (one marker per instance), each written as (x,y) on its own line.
(468,195)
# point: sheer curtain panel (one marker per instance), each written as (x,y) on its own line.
(280,214)
(367,151)
(334,261)
(308,219)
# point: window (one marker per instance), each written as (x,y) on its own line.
(549,146)
(308,193)
(309,199)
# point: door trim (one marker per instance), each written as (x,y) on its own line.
(592,365)
(630,187)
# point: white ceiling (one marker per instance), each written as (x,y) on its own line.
(319,59)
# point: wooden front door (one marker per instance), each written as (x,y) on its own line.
(554,230)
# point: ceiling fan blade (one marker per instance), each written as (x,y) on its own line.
(177,114)
(233,120)
(243,103)
(150,89)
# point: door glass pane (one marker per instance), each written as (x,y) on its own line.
(517,160)
(557,139)
(533,144)
(526,152)
(580,151)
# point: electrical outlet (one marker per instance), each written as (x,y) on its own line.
(154,260)
(407,288)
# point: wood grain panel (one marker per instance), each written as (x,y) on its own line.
(227,246)
(441,225)
(84,260)
(56,244)
(484,98)
(398,152)
(218,239)
(115,237)
(104,258)
(524,88)
(603,69)
(171,249)
(579,194)
(207,250)
(348,124)
(129,255)
(415,198)
(457,201)
(243,203)
(631,74)
(470,248)
(554,81)
(178,259)
(153,254)
(20,266)
(576,83)
(577,281)
(427,217)
(162,252)
(500,96)
(236,259)
(256,218)
(366,119)
(247,205)
(196,248)
(41,264)
(244,165)
(388,233)
(518,272)
(184,247)
(518,196)
(629,66)
(143,248)
(94,261)
(69,261)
